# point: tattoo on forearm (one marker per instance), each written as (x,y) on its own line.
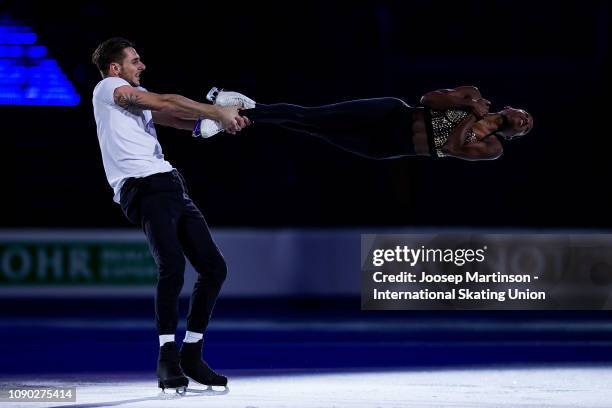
(131,103)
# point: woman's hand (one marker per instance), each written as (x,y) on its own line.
(480,107)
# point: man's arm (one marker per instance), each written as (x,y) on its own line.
(177,106)
(165,119)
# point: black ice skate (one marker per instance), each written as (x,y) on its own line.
(169,370)
(198,370)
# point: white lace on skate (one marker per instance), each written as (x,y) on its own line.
(230,98)
(206,128)
(210,128)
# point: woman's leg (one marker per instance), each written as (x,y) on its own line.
(377,128)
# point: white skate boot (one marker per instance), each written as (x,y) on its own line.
(229,98)
(205,128)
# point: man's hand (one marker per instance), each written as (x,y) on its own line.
(231,121)
(480,107)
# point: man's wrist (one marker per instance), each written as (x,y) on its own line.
(211,112)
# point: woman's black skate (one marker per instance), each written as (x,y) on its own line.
(169,370)
(198,370)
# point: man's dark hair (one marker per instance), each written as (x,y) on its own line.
(109,51)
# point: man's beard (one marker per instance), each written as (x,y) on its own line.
(130,81)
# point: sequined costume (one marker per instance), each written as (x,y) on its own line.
(440,124)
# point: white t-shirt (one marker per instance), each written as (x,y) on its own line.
(128,141)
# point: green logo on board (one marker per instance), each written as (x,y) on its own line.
(79,263)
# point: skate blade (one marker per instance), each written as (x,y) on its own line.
(210,391)
(173,393)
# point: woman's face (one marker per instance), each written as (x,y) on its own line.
(519,122)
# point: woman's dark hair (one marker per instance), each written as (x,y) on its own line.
(110,51)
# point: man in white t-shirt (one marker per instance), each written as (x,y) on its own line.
(153,194)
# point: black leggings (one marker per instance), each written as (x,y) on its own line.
(379,128)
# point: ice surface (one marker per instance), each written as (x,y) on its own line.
(491,387)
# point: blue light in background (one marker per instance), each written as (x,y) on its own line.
(22,51)
(17,38)
(28,76)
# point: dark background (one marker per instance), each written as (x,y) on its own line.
(552,60)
